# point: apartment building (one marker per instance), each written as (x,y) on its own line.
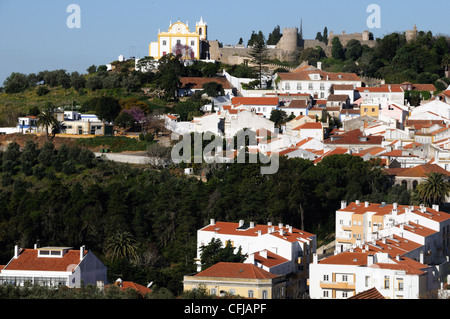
(401,250)
(280,250)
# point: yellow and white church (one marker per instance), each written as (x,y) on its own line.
(180,40)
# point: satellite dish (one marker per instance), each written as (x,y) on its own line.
(149,284)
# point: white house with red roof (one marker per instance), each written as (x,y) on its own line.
(309,130)
(380,95)
(53,267)
(314,81)
(279,249)
(262,105)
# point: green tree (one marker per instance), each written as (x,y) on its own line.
(279,117)
(214,252)
(274,36)
(258,54)
(15,83)
(47,119)
(337,51)
(121,245)
(433,190)
(168,76)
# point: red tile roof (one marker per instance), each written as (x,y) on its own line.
(255,100)
(236,270)
(232,229)
(372,293)
(353,137)
(420,171)
(310,126)
(29,260)
(271,260)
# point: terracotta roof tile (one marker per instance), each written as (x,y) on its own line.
(372,293)
(29,260)
(236,270)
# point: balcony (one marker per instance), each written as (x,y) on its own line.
(337,285)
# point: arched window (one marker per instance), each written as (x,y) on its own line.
(415,184)
(404,184)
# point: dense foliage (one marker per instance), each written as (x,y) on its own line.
(68,197)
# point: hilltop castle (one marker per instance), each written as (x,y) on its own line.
(195,44)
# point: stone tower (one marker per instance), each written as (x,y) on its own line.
(411,35)
(289,40)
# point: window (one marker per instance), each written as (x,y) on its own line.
(367,281)
(178,41)
(287,86)
(265,294)
(325,277)
(299,86)
(344,294)
(310,86)
(164,42)
(325,293)
(344,278)
(213,291)
(192,43)
(250,293)
(386,282)
(400,285)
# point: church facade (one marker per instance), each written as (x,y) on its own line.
(179,39)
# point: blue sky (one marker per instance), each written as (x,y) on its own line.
(34,35)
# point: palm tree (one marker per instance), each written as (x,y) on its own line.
(48,120)
(121,245)
(432,191)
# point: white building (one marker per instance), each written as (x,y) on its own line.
(289,248)
(400,250)
(315,82)
(346,274)
(380,95)
(53,267)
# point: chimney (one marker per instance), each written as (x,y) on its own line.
(319,65)
(269,224)
(370,260)
(259,232)
(241,223)
(366,204)
(281,231)
(263,253)
(436,207)
(357,202)
(421,257)
(398,258)
(16,251)
(280,225)
(82,252)
(315,258)
(343,204)
(35,246)
(252,224)
(212,221)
